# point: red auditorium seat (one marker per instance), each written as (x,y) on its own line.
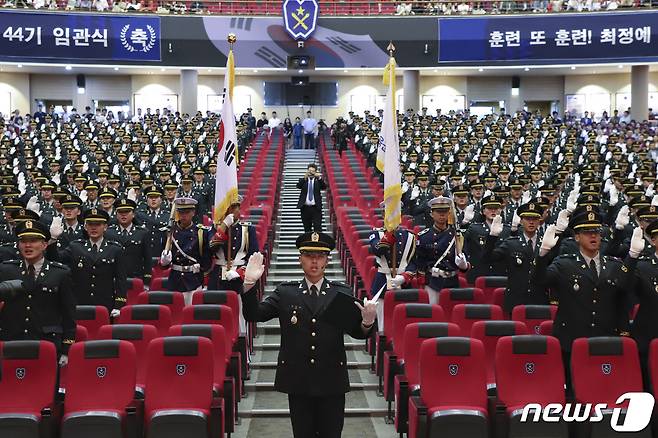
(223,382)
(224,297)
(489,332)
(92,318)
(403,315)
(528,370)
(152,314)
(173,300)
(159,283)
(489,284)
(139,336)
(602,369)
(27,388)
(135,287)
(407,383)
(449,298)
(533,315)
(546,328)
(179,389)
(465,315)
(99,398)
(453,395)
(81,333)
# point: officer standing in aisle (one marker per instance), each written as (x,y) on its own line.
(155,218)
(189,255)
(310,199)
(42,306)
(438,252)
(134,239)
(312,363)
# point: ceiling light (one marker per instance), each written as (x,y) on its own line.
(255,71)
(344,71)
(526,69)
(116,68)
(436,71)
(300,71)
(480,69)
(20,66)
(162,69)
(573,67)
(68,67)
(620,66)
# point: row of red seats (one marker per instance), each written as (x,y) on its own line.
(450,397)
(183,388)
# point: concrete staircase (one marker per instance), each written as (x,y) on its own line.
(264,412)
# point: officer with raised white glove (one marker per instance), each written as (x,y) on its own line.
(623,218)
(469,214)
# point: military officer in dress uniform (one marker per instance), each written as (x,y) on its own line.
(591,289)
(645,324)
(244,243)
(43,306)
(189,255)
(155,218)
(134,239)
(312,364)
(518,253)
(439,250)
(72,228)
(97,264)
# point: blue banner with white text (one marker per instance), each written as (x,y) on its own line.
(563,38)
(79,36)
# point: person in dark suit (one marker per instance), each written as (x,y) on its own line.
(310,199)
(41,305)
(134,239)
(312,364)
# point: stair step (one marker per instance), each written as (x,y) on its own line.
(269,386)
(361,365)
(276,346)
(349,412)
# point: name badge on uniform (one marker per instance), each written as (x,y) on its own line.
(519,261)
(576,287)
(293,320)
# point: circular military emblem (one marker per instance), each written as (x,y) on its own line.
(293,320)
(28,224)
(315,237)
(519,261)
(576,287)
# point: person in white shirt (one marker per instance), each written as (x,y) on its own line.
(274,122)
(309,124)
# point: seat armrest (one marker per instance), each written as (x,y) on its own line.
(217,418)
(418,416)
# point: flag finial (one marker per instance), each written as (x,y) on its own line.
(232,39)
(390,48)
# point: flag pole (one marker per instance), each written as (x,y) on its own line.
(394,256)
(232,39)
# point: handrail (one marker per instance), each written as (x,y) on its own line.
(330,8)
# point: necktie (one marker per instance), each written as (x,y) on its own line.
(592,266)
(314,291)
(31,272)
(310,197)
(94,248)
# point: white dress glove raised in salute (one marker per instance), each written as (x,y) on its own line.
(623,218)
(415,192)
(496,226)
(132,195)
(562,221)
(516,221)
(572,201)
(368,311)
(255,268)
(549,240)
(637,243)
(469,214)
(165,258)
(33,205)
(56,228)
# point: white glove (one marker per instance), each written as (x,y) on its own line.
(496,226)
(572,201)
(654,200)
(548,241)
(637,243)
(623,218)
(469,214)
(83,196)
(516,220)
(132,195)
(526,197)
(614,195)
(165,258)
(435,272)
(56,228)
(415,192)
(460,260)
(232,275)
(562,221)
(228,220)
(33,205)
(115,313)
(397,281)
(650,191)
(63,360)
(255,268)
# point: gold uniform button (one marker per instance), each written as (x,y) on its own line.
(593,324)
(593,301)
(25,330)
(313,320)
(29,297)
(312,347)
(313,334)
(312,360)
(28,308)
(27,319)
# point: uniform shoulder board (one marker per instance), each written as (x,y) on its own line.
(12,262)
(80,241)
(289,283)
(567,256)
(340,284)
(424,231)
(611,259)
(58,265)
(114,242)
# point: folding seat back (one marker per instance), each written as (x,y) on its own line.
(27,386)
(489,332)
(179,384)
(81,333)
(157,315)
(546,328)
(211,314)
(98,398)
(465,315)
(224,297)
(533,315)
(139,335)
(529,370)
(489,284)
(653,366)
(603,368)
(221,347)
(394,297)
(173,300)
(159,282)
(92,318)
(449,298)
(405,314)
(135,287)
(414,336)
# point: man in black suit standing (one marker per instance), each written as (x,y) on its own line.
(310,199)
